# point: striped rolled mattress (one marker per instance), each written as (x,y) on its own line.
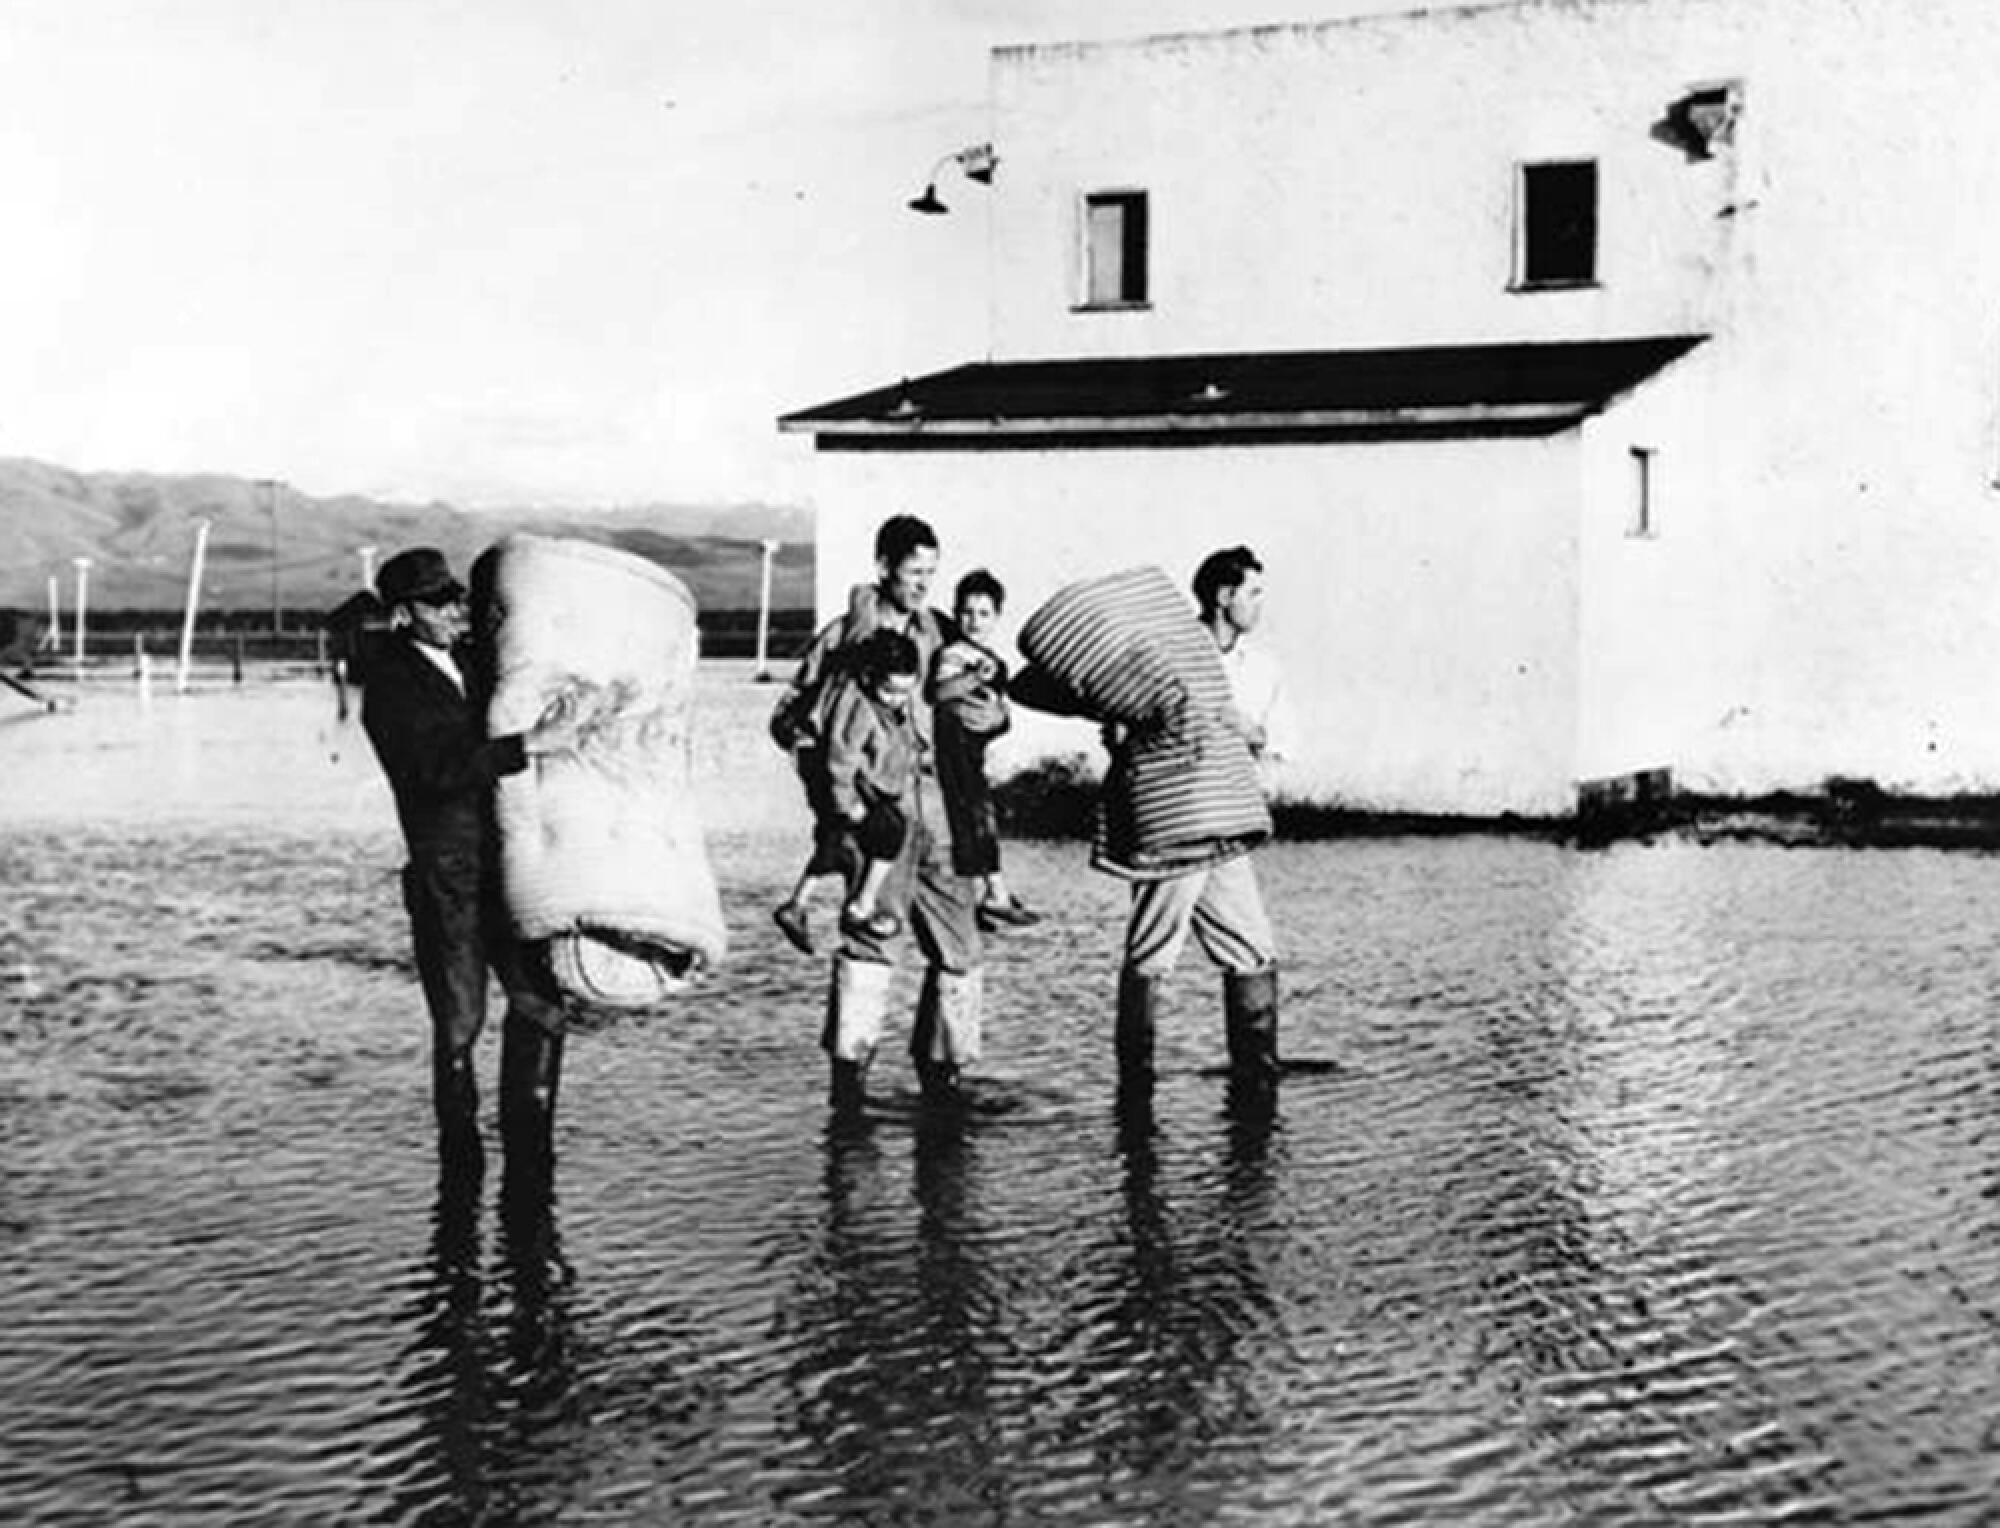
(1182,791)
(601,849)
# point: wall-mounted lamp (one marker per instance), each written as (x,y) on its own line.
(1702,121)
(975,163)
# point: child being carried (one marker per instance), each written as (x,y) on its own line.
(866,794)
(969,689)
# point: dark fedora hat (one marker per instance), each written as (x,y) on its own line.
(419,576)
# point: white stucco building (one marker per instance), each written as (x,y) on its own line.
(1607,385)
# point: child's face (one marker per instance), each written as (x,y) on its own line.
(894,690)
(977,615)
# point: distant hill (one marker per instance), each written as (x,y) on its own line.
(138,529)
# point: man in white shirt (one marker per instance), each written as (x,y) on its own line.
(1230,587)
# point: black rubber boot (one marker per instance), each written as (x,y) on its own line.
(847,1088)
(530,1078)
(1250,1010)
(455,1096)
(1138,1014)
(938,1082)
(946,1031)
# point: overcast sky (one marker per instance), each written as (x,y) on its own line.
(562,252)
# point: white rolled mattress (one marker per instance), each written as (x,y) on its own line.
(601,850)
(1183,791)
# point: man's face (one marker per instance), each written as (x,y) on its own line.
(1243,606)
(444,625)
(907,586)
(977,616)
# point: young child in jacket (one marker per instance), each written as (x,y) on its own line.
(969,690)
(871,767)
(859,771)
(799,725)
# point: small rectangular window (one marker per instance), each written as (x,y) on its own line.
(1641,521)
(1558,232)
(1114,249)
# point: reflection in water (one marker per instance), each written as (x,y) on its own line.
(897,1322)
(1654,1186)
(1187,1301)
(1519,1180)
(453,1373)
(492,1370)
(960,1309)
(946,1372)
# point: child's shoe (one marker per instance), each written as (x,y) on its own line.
(1012,913)
(791,920)
(876,925)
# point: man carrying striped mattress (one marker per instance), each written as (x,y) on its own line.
(1182,805)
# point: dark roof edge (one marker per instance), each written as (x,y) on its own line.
(1221,433)
(907,411)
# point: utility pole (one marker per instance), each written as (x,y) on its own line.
(82,603)
(193,604)
(270,487)
(764,612)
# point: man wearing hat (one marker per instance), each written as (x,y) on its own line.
(423,707)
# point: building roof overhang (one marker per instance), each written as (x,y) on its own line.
(1245,397)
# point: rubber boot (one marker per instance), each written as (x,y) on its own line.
(947,1035)
(1250,1012)
(455,1097)
(530,1078)
(1138,1020)
(847,1087)
(856,999)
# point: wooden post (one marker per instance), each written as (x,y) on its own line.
(82,604)
(193,604)
(764,613)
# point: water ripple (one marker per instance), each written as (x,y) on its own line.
(1658,1184)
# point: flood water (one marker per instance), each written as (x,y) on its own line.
(1652,1185)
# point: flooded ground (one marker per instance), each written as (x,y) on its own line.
(1658,1184)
